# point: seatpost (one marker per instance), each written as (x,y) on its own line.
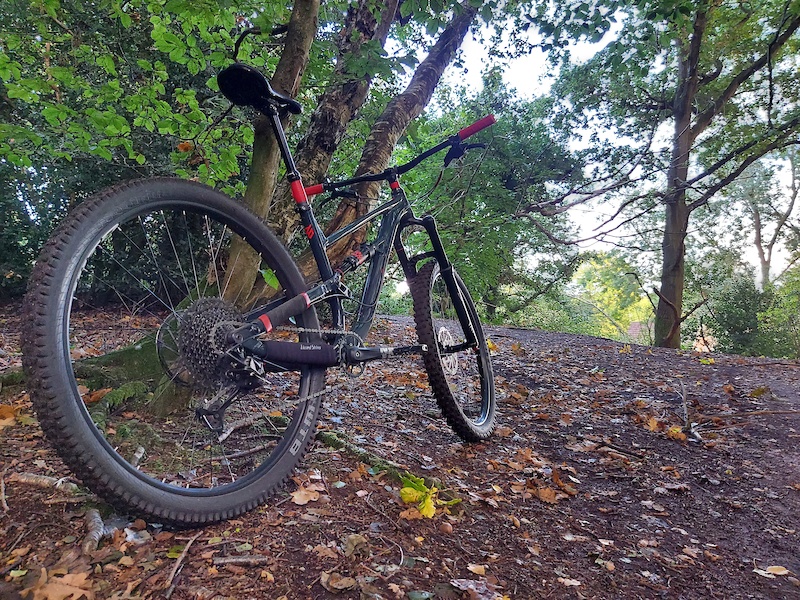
(292,173)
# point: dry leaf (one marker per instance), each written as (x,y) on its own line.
(477,569)
(356,544)
(477,590)
(764,573)
(676,433)
(568,582)
(569,489)
(654,424)
(335,582)
(325,552)
(304,496)
(547,494)
(97,395)
(691,551)
(67,587)
(777,570)
(411,514)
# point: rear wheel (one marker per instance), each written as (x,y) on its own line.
(128,311)
(460,374)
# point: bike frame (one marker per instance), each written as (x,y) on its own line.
(396,215)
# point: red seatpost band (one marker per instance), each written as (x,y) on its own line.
(298,192)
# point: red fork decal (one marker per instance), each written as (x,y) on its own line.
(309,231)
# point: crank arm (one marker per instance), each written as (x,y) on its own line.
(361,354)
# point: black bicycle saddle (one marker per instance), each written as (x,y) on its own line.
(245,86)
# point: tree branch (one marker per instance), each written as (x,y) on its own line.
(704,119)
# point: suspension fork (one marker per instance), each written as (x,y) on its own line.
(445,268)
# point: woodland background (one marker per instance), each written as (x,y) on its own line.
(648,194)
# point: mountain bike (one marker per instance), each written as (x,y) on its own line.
(173,348)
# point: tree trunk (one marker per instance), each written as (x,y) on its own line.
(336,107)
(242,261)
(670,298)
(673,267)
(392,123)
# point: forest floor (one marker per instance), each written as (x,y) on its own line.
(590,488)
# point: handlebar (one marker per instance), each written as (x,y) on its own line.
(477,126)
(454,140)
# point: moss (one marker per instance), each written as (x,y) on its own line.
(12,377)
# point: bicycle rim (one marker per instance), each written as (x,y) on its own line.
(144,308)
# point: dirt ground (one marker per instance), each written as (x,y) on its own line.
(592,487)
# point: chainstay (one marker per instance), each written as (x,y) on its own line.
(338,383)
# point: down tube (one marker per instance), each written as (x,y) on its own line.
(377,269)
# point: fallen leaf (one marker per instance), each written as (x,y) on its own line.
(72,586)
(568,582)
(777,570)
(324,551)
(569,537)
(356,544)
(691,551)
(764,573)
(676,433)
(569,489)
(411,514)
(477,590)
(654,424)
(335,582)
(547,494)
(477,569)
(304,496)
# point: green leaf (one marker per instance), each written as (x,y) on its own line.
(175,552)
(414,482)
(270,279)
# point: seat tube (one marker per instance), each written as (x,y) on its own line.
(311,227)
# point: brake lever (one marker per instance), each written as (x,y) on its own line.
(457,150)
(340,193)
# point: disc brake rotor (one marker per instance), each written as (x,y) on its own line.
(449,361)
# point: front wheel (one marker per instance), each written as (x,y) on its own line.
(460,373)
(126,352)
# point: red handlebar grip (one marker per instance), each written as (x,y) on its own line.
(485,122)
(313,190)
